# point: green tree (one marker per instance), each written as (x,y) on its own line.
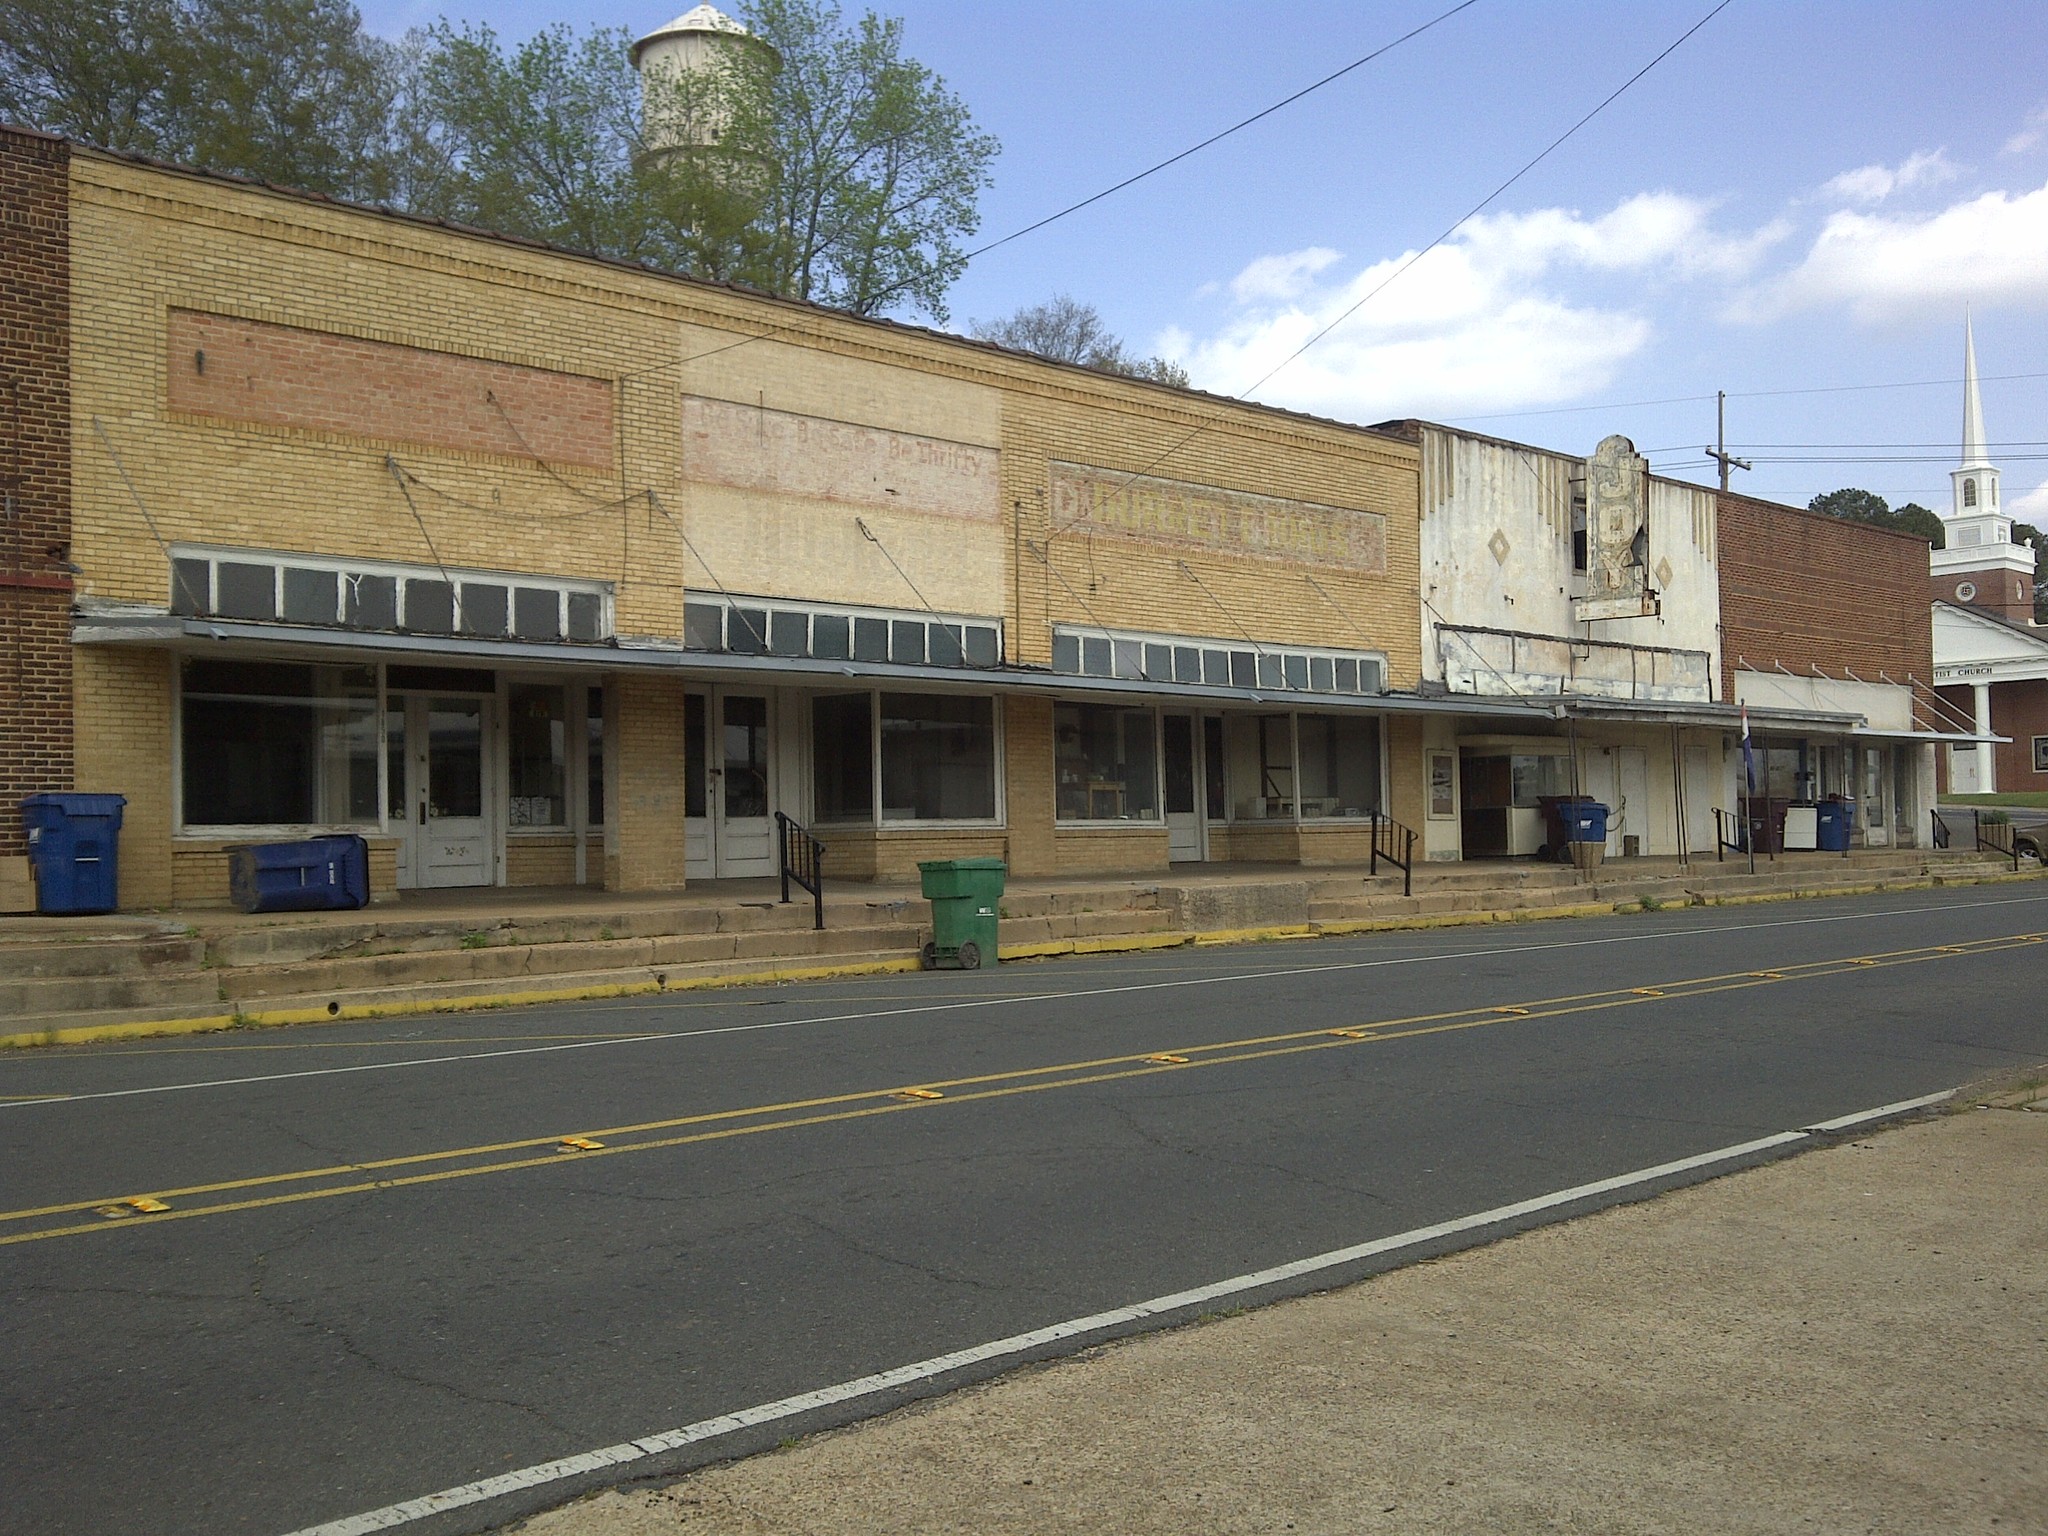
(1068,331)
(537,141)
(842,172)
(1914,518)
(288,91)
(1860,506)
(2033,538)
(877,168)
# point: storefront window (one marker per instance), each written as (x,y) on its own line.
(696,789)
(537,741)
(1105,763)
(593,747)
(843,756)
(938,758)
(1340,765)
(277,744)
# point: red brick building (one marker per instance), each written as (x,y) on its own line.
(1831,616)
(35,473)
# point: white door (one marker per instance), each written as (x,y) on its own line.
(1963,777)
(1628,809)
(1700,800)
(1183,764)
(741,784)
(441,752)
(699,862)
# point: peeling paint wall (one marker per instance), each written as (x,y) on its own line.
(1496,550)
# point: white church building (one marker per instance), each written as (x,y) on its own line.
(1990,657)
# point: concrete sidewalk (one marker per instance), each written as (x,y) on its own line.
(1846,1341)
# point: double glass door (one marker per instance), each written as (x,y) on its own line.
(438,790)
(728,785)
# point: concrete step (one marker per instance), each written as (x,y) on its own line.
(22,960)
(531,964)
(430,997)
(71,994)
(287,940)
(1082,925)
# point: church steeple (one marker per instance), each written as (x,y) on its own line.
(1975,480)
(1979,564)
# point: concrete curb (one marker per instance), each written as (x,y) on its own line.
(334,1012)
(338,1013)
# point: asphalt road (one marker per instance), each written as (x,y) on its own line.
(379,1275)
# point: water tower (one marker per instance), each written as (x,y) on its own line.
(698,45)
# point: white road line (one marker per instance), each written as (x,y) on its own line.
(1882,1112)
(1008,1001)
(1019,1344)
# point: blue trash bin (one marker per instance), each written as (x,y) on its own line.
(1833,822)
(1585,821)
(315,874)
(74,843)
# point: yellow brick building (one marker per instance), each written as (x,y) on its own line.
(537,569)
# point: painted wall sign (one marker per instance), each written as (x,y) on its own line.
(1206,517)
(756,449)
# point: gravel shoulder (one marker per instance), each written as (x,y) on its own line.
(1846,1341)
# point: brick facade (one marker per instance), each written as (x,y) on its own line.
(318,381)
(2019,709)
(35,464)
(2006,593)
(1801,590)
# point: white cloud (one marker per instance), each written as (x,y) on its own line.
(1987,248)
(1875,183)
(1280,277)
(1484,321)
(2030,508)
(2035,131)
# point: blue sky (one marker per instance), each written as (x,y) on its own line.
(1803,197)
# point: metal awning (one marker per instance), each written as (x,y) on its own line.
(1952,738)
(299,642)
(1713,715)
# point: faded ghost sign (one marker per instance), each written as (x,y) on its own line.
(1207,517)
(1617,534)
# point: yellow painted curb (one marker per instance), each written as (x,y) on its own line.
(146,1029)
(1042,950)
(1114,943)
(1256,935)
(1097,944)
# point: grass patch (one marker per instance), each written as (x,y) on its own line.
(2031,799)
(476,938)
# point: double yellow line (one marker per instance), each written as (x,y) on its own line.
(39,1223)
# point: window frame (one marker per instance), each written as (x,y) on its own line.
(245,832)
(1158,818)
(883,823)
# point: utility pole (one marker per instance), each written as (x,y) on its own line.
(1719,452)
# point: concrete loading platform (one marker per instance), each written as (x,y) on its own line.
(69,980)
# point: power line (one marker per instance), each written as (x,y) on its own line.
(1454,227)
(1171,160)
(1743,394)
(960,263)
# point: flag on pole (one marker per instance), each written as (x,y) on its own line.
(1748,753)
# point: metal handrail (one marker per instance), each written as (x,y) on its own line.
(1723,821)
(1940,832)
(2009,849)
(802,858)
(1387,834)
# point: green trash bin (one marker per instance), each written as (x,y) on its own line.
(966,897)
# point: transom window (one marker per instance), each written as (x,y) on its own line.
(420,600)
(1214,663)
(745,626)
